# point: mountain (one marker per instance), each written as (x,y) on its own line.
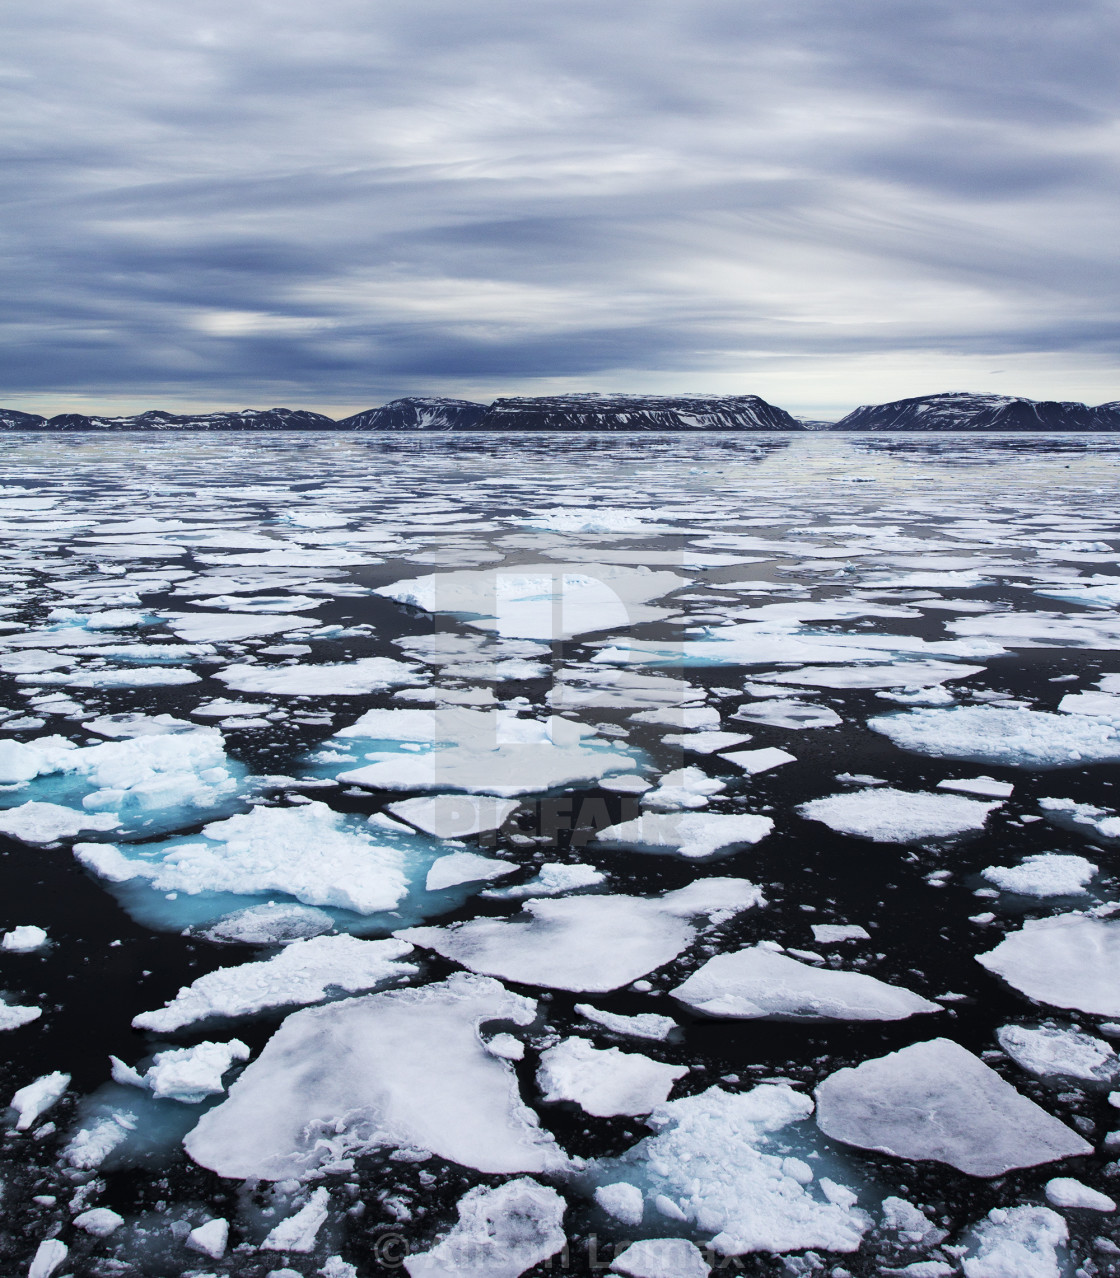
(156,419)
(418,414)
(636,412)
(960,410)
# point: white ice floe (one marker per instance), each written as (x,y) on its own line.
(229,627)
(1069,960)
(13,1015)
(1100,705)
(755,761)
(833,933)
(271,924)
(687,834)
(553,879)
(210,1239)
(1011,737)
(757,982)
(542,601)
(788,713)
(1062,1052)
(24,939)
(592,943)
(36,1098)
(717,1163)
(985,787)
(40,823)
(338,679)
(134,724)
(134,677)
(99,1221)
(684,718)
(1064,1191)
(190,1074)
(935,1100)
(405,1068)
(465,867)
(683,788)
(49,1257)
(223,708)
(310,852)
(887,815)
(644,1025)
(623,1201)
(303,972)
(706,742)
(605,1082)
(454,816)
(662,1258)
(1084,817)
(901,674)
(1017,1242)
(501,1232)
(1043,874)
(298,1232)
(579,688)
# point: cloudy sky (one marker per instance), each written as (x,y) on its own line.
(825,202)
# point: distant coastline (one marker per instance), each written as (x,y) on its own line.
(608,414)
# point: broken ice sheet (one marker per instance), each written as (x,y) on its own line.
(1069,960)
(1044,874)
(606,1082)
(1061,1052)
(887,815)
(693,835)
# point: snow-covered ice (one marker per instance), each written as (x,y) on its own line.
(688,834)
(37,1097)
(297,1233)
(605,1082)
(37,823)
(339,679)
(1043,874)
(24,939)
(465,867)
(642,1025)
(662,1258)
(1069,960)
(935,1100)
(756,761)
(1059,1051)
(190,1074)
(1017,1242)
(887,815)
(834,933)
(1064,1191)
(454,816)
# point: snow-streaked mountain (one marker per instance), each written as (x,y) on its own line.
(961,410)
(156,419)
(637,412)
(417,413)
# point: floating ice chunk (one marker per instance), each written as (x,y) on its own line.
(1069,960)
(756,982)
(12,1015)
(712,1163)
(1044,874)
(755,761)
(623,1201)
(272,924)
(986,787)
(605,1082)
(137,677)
(24,939)
(20,761)
(229,627)
(625,785)
(553,879)
(501,1232)
(406,1068)
(833,933)
(688,834)
(303,972)
(1064,1191)
(887,815)
(1055,1051)
(788,713)
(210,1239)
(222,708)
(1101,821)
(935,1100)
(339,679)
(99,1221)
(39,823)
(190,1074)
(542,601)
(707,742)
(453,816)
(686,718)
(465,867)
(684,788)
(298,1232)
(592,943)
(1017,1242)
(49,1257)
(1012,737)
(37,1097)
(662,1258)
(901,674)
(133,724)
(644,1025)
(310,852)
(614,689)
(1099,705)
(912,1226)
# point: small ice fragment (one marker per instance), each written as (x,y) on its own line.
(985,787)
(834,933)
(454,816)
(643,1025)
(507,1047)
(37,1097)
(553,879)
(625,785)
(706,742)
(605,1082)
(99,1221)
(24,939)
(273,924)
(756,761)
(465,867)
(49,1256)
(1064,1191)
(623,1201)
(190,1074)
(298,1232)
(210,1239)
(1044,874)
(662,1258)
(1055,1051)
(689,834)
(1017,1242)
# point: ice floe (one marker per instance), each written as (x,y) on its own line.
(753,762)
(788,713)
(1069,960)
(757,982)
(465,867)
(662,1258)
(553,879)
(33,1100)
(1054,1051)
(587,943)
(271,924)
(887,815)
(405,1068)
(297,1233)
(190,1074)
(331,679)
(454,816)
(1064,1191)
(1017,1242)
(686,834)
(605,1082)
(41,823)
(935,1100)
(643,1025)
(24,939)
(1043,874)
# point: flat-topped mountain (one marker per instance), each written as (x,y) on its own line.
(960,410)
(156,419)
(415,413)
(637,412)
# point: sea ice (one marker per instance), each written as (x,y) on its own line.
(887,815)
(1011,737)
(706,742)
(985,787)
(40,823)
(662,1258)
(99,1221)
(303,972)
(622,1201)
(230,627)
(339,679)
(49,1256)
(271,924)
(713,1162)
(210,1239)
(37,1097)
(605,1082)
(12,1015)
(1069,960)
(755,761)
(404,1068)
(592,943)
(190,1074)
(833,933)
(935,1100)
(1043,874)
(465,867)
(553,879)
(501,1232)
(788,713)
(644,1025)
(1053,1051)
(24,939)
(688,834)
(1083,817)
(900,674)
(684,788)
(1064,1191)
(757,982)
(298,1232)
(454,816)
(1017,1242)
